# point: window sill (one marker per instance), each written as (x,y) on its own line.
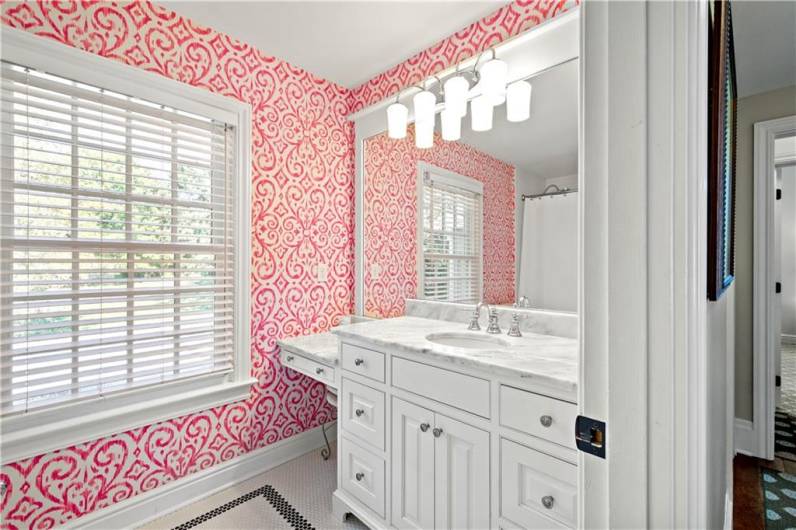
(38,432)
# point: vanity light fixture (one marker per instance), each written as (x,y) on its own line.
(456,89)
(494,76)
(451,124)
(397,118)
(425,103)
(518,101)
(424,134)
(481,113)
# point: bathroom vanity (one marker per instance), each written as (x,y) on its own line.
(441,427)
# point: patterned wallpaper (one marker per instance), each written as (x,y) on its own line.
(507,21)
(391,217)
(302,215)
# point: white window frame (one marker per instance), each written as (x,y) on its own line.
(453,179)
(66,424)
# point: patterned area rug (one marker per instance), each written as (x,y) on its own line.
(779,496)
(785,435)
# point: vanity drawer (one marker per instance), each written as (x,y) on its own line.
(363,361)
(315,370)
(452,388)
(534,485)
(537,415)
(363,412)
(363,476)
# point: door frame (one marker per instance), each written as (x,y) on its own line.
(761,441)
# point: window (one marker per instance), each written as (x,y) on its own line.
(450,257)
(118,247)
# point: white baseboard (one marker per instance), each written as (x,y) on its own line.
(172,496)
(728,511)
(788,339)
(745,441)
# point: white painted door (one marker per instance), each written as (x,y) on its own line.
(461,476)
(412,466)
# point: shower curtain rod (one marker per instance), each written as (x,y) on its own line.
(557,191)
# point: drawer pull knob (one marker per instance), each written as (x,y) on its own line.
(424,427)
(360,476)
(319,371)
(359,362)
(546,421)
(437,432)
(547,501)
(359,412)
(289,358)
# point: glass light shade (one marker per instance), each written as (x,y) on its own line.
(424,135)
(397,117)
(481,113)
(425,103)
(451,125)
(456,89)
(518,101)
(494,75)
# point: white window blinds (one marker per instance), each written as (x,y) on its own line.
(116,249)
(451,237)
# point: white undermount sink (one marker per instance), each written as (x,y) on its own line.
(468,341)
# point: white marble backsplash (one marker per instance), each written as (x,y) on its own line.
(556,323)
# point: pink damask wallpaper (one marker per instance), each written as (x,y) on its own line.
(509,20)
(391,218)
(302,215)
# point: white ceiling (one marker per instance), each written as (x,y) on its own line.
(347,42)
(765,45)
(546,145)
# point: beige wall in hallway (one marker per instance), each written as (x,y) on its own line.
(752,109)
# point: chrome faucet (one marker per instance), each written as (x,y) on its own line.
(474,325)
(524,302)
(493,327)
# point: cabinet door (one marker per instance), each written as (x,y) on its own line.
(412,466)
(461,476)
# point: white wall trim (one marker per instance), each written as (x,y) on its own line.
(172,496)
(728,512)
(766,317)
(74,422)
(745,441)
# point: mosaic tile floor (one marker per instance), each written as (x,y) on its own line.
(296,495)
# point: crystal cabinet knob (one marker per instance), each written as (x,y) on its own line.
(546,420)
(319,371)
(359,412)
(424,427)
(547,501)
(359,362)
(289,358)
(437,432)
(360,476)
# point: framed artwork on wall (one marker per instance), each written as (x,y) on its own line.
(722,127)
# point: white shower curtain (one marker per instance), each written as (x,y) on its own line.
(549,252)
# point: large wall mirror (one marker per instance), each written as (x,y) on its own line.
(491,216)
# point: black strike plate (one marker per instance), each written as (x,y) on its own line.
(779,194)
(778,380)
(590,436)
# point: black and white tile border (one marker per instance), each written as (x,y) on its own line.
(288,513)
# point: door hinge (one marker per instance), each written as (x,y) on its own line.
(779,194)
(778,380)
(778,287)
(590,436)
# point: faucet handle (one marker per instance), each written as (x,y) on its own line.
(474,325)
(493,327)
(514,330)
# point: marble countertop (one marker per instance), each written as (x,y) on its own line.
(320,347)
(545,359)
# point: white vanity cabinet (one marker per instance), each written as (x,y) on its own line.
(430,444)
